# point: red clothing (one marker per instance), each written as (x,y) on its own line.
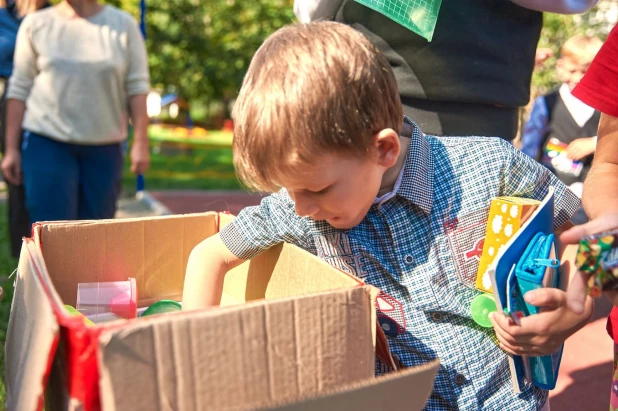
(611,321)
(598,87)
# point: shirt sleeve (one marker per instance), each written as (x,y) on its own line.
(524,177)
(312,10)
(535,128)
(138,78)
(598,86)
(272,222)
(25,68)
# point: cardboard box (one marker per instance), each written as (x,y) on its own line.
(306,343)
(506,216)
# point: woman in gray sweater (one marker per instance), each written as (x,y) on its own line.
(81,71)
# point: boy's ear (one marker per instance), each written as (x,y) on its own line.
(387,146)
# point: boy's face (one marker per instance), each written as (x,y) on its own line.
(340,189)
(570,71)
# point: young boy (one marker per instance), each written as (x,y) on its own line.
(319,116)
(561,131)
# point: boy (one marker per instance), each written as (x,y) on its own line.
(319,115)
(561,131)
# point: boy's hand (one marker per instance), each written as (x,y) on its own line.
(542,333)
(581,148)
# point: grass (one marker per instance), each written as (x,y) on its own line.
(7,265)
(184,169)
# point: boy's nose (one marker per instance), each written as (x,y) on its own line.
(305,207)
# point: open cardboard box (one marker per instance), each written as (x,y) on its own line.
(298,335)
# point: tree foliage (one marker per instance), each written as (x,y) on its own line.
(559,28)
(201,49)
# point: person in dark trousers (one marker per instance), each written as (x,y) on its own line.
(561,132)
(11,15)
(474,76)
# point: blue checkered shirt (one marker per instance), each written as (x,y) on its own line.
(421,249)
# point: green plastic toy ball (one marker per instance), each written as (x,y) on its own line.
(480,308)
(162,307)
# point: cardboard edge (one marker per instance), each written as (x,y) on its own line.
(43,224)
(43,373)
(364,395)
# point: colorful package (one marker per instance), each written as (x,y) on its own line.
(598,256)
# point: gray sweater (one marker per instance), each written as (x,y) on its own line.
(76,75)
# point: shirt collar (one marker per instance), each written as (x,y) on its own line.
(417,182)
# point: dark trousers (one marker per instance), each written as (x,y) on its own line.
(18,220)
(67,181)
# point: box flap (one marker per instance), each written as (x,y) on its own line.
(406,390)
(32,337)
(240,356)
(153,250)
(282,271)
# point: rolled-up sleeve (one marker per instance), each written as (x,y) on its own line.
(138,78)
(272,222)
(25,67)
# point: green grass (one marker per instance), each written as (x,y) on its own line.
(7,265)
(199,169)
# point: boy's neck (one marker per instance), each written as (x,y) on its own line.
(390,176)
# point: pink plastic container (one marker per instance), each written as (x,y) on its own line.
(117,297)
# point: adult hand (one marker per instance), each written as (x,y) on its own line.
(11,167)
(601,224)
(581,148)
(140,158)
(542,333)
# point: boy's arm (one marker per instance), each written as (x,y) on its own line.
(543,333)
(208,263)
(254,230)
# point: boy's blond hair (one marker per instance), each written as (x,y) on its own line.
(581,49)
(311,89)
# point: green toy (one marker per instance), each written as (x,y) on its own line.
(162,307)
(481,306)
(76,313)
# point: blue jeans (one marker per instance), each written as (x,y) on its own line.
(70,181)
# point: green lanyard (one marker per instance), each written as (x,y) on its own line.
(420,16)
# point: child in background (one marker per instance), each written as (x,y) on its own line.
(318,122)
(561,130)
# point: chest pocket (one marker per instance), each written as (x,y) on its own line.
(466,236)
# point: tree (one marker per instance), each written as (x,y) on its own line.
(201,49)
(558,28)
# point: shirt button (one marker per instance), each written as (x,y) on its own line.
(460,379)
(408,259)
(437,317)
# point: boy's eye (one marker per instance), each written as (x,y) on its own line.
(322,191)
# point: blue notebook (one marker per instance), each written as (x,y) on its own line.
(532,242)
